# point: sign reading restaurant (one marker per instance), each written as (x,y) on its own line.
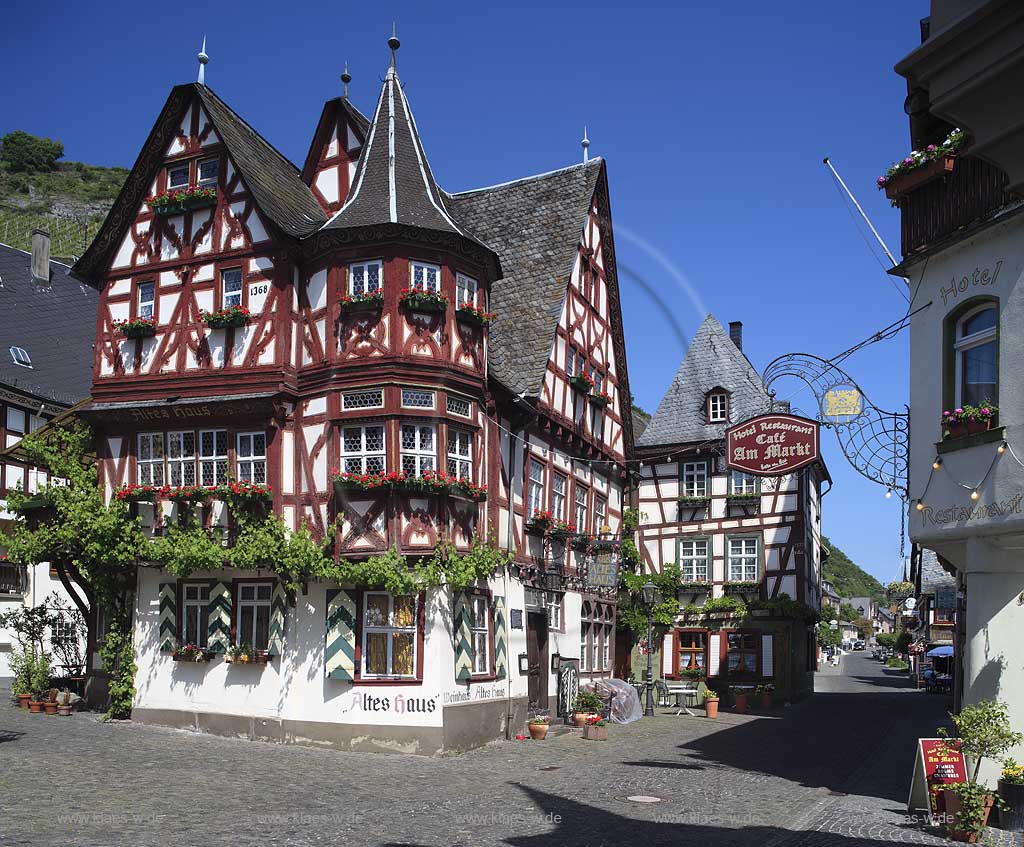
(772,445)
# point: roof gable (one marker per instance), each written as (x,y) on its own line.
(328,118)
(712,361)
(273,181)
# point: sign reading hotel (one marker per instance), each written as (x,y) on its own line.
(772,445)
(936,766)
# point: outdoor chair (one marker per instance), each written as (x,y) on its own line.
(661,692)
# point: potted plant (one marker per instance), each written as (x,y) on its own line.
(582,382)
(469,313)
(982,731)
(562,529)
(596,729)
(921,166)
(765,692)
(136,327)
(190,653)
(538,727)
(1011,792)
(22,664)
(50,702)
(588,705)
(740,699)
(366,301)
(711,704)
(602,398)
(40,683)
(981,418)
(539,522)
(223,318)
(65,704)
(246,654)
(420,299)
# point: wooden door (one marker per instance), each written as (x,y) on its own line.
(537,658)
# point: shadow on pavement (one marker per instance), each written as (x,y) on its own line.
(9,735)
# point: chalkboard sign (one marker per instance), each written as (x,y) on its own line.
(516,618)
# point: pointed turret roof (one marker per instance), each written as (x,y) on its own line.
(712,361)
(393,182)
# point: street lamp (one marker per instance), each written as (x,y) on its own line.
(651,598)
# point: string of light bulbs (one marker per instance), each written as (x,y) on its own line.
(939,465)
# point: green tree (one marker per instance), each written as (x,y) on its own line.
(27,153)
(847,612)
(828,637)
(847,578)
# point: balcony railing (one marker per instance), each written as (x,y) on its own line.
(973,191)
(13,579)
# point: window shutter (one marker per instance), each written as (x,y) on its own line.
(500,642)
(767,655)
(218,627)
(340,646)
(168,616)
(278,610)
(463,637)
(666,654)
(714,653)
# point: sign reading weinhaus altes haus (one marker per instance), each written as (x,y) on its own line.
(771,445)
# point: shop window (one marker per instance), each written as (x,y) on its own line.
(389,639)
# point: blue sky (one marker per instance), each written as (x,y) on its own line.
(714,119)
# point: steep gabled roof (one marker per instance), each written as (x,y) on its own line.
(535,226)
(274,181)
(61,355)
(331,107)
(712,361)
(393,182)
(934,577)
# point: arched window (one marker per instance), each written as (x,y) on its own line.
(976,355)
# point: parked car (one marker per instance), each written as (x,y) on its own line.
(858,645)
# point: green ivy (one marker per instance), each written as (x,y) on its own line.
(633,612)
(118,654)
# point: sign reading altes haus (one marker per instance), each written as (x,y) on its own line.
(771,445)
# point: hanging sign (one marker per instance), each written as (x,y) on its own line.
(772,445)
(935,766)
(603,569)
(842,403)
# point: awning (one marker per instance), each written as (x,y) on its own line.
(944,650)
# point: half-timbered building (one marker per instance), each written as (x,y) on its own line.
(380,326)
(755,539)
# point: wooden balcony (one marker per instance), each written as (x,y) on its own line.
(936,210)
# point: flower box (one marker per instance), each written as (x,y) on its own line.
(372,482)
(694,502)
(250,493)
(562,531)
(968,420)
(423,300)
(539,523)
(582,383)
(191,653)
(468,491)
(199,201)
(602,399)
(742,587)
(911,180)
(175,202)
(240,656)
(136,327)
(595,732)
(754,497)
(223,318)
(371,301)
(468,313)
(695,585)
(427,483)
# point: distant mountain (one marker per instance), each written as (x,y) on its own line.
(848,579)
(68,199)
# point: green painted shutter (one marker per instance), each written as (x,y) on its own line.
(218,627)
(278,609)
(340,637)
(168,616)
(500,639)
(463,634)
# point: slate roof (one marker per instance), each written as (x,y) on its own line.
(56,325)
(358,118)
(393,182)
(933,576)
(535,225)
(274,181)
(712,361)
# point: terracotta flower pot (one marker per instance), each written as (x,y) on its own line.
(35,706)
(64,711)
(956,430)
(766,701)
(978,425)
(23,700)
(741,703)
(581,718)
(953,805)
(711,708)
(50,708)
(538,731)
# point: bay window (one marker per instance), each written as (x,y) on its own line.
(213,456)
(252,457)
(460,453)
(419,450)
(466,289)
(150,459)
(362,449)
(364,277)
(252,620)
(426,276)
(181,458)
(389,635)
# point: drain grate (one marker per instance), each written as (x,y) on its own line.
(643,798)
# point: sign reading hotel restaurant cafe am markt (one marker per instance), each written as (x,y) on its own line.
(772,445)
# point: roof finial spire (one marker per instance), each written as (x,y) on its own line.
(203,59)
(346,78)
(394,43)
(585,144)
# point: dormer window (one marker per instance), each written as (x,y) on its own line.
(21,357)
(177,176)
(718,407)
(209,170)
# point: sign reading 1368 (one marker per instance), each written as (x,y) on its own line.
(772,445)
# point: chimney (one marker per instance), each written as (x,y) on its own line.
(41,256)
(736,333)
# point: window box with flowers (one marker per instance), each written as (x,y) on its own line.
(695,586)
(418,299)
(582,383)
(687,502)
(595,729)
(746,497)
(562,530)
(921,166)
(223,318)
(469,313)
(136,327)
(602,398)
(365,481)
(251,494)
(246,654)
(368,301)
(539,523)
(175,202)
(968,420)
(467,490)
(141,493)
(897,592)
(192,653)
(742,587)
(429,482)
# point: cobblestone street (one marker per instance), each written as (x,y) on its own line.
(830,771)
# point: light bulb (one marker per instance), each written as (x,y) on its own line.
(888,494)
(936,464)
(920,505)
(974,494)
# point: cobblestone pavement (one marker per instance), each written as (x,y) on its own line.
(830,771)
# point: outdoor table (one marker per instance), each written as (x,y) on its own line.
(680,692)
